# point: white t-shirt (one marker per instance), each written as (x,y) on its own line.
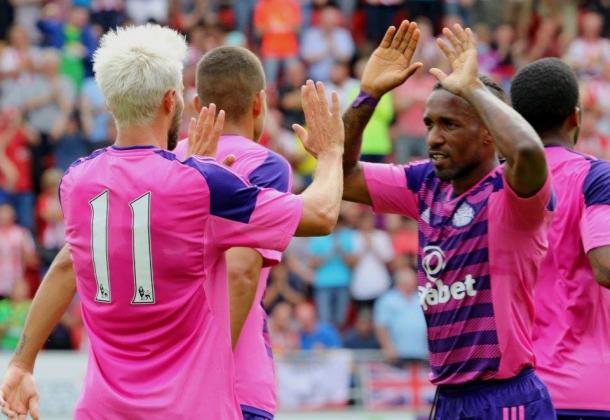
(370,276)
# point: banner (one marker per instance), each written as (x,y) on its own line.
(314,380)
(386,386)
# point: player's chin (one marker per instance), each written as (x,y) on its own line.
(444,173)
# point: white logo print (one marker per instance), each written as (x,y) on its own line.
(425,216)
(436,292)
(463,216)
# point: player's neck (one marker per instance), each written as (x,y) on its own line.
(469,180)
(242,128)
(558,139)
(140,136)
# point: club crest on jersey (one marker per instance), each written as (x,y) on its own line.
(436,292)
(463,215)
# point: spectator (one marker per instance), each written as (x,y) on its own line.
(94,115)
(17,251)
(49,99)
(403,232)
(410,103)
(590,140)
(142,11)
(399,321)
(597,94)
(342,83)
(373,252)
(13,312)
(277,22)
(107,13)
(27,13)
(290,94)
(376,140)
(379,15)
(362,335)
(588,53)
(15,140)
(487,57)
(50,217)
(282,327)
(20,58)
(281,288)
(332,257)
(72,145)
(7,15)
(326,44)
(315,334)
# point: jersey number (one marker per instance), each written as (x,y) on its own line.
(144,291)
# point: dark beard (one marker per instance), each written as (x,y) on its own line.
(172,134)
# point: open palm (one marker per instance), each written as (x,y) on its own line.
(390,64)
(462,55)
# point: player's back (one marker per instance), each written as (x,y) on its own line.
(254,368)
(572,329)
(136,225)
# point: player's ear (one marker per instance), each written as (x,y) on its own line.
(169,100)
(197,103)
(258,104)
(487,138)
(575,119)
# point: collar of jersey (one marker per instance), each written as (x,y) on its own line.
(149,146)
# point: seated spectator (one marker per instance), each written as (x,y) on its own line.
(282,288)
(331,258)
(50,217)
(399,321)
(373,252)
(376,139)
(72,145)
(20,58)
(277,22)
(17,251)
(94,115)
(362,335)
(588,53)
(342,83)
(13,312)
(282,328)
(290,94)
(314,334)
(16,140)
(325,44)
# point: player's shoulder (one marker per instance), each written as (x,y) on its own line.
(596,185)
(418,173)
(271,171)
(79,164)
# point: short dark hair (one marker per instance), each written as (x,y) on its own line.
(489,83)
(229,77)
(545,93)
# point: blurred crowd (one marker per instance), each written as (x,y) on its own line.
(355,288)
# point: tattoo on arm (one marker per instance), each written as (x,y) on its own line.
(355,121)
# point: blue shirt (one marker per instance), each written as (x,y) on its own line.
(324,334)
(333,272)
(403,317)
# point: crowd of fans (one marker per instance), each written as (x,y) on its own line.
(355,288)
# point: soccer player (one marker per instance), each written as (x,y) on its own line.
(147,235)
(482,227)
(572,329)
(233,79)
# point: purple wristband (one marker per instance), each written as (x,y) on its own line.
(364,98)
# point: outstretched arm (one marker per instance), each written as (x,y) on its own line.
(515,139)
(389,67)
(18,393)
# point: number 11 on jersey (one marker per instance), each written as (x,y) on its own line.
(144,292)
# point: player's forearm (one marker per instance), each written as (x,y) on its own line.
(514,138)
(600,263)
(51,301)
(322,200)
(354,121)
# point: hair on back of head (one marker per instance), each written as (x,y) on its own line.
(489,83)
(229,77)
(135,66)
(545,93)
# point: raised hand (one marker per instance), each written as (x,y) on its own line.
(324,125)
(390,65)
(18,394)
(204,133)
(462,55)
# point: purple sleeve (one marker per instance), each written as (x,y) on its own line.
(274,172)
(595,221)
(524,213)
(244,215)
(395,188)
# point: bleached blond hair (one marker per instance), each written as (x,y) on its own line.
(135,66)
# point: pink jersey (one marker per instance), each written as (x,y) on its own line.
(254,369)
(147,235)
(572,330)
(478,260)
